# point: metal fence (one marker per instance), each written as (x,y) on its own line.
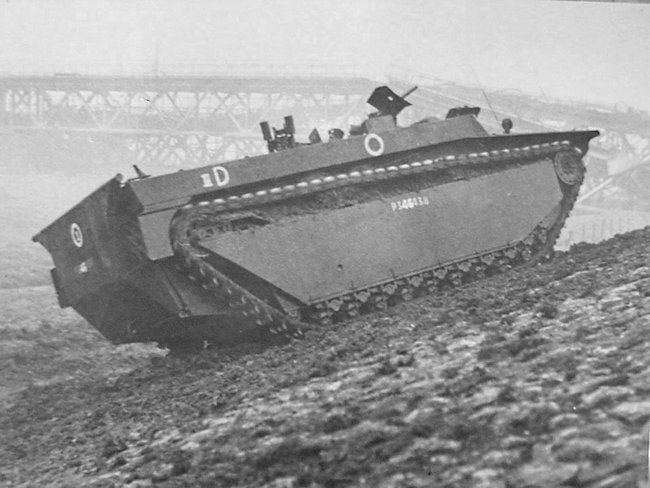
(595,225)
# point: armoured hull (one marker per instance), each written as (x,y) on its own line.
(253,249)
(315,256)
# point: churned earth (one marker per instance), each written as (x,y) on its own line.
(539,377)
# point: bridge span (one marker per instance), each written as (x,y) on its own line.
(178,119)
(185,119)
(181,119)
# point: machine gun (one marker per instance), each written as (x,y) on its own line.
(388,104)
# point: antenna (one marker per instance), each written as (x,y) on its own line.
(156,60)
(482,90)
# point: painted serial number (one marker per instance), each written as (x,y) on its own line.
(409,203)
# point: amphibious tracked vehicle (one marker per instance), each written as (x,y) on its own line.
(314,232)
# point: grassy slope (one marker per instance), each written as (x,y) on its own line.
(479,380)
(69,400)
(39,342)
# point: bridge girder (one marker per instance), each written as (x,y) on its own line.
(186,120)
(176,120)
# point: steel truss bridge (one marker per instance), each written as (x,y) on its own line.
(188,120)
(175,120)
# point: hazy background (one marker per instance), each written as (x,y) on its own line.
(575,50)
(582,51)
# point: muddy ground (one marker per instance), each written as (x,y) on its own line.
(539,377)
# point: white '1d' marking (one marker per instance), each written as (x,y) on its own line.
(218,177)
(207,180)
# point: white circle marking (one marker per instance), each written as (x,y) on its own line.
(77,236)
(374,152)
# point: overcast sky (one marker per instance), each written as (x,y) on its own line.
(578,50)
